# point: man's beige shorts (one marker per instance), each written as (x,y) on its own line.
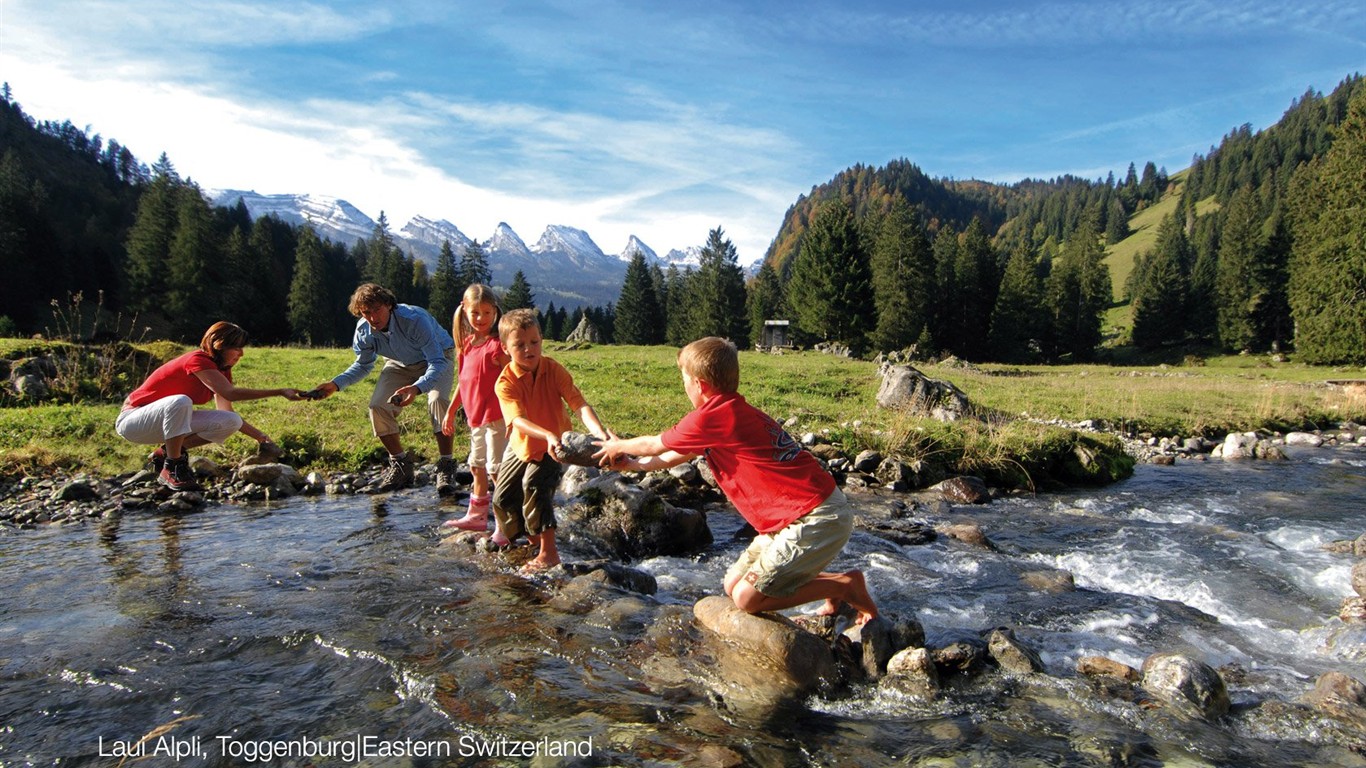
(785,560)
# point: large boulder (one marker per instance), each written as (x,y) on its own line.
(905,388)
(1191,686)
(764,661)
(622,521)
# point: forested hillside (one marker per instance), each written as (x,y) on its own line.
(1255,255)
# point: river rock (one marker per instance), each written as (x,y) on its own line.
(1013,656)
(1238,445)
(867,461)
(80,489)
(622,521)
(1099,666)
(1303,438)
(1338,695)
(578,448)
(898,530)
(1052,582)
(204,467)
(1191,686)
(1353,610)
(614,575)
(763,661)
(267,474)
(877,640)
(968,533)
(1359,577)
(686,473)
(960,657)
(905,388)
(964,490)
(912,672)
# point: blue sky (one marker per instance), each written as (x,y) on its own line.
(659,119)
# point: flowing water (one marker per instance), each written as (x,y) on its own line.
(341,631)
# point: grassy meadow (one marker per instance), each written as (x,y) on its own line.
(637,390)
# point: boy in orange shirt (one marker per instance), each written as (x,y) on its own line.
(533,390)
(802,518)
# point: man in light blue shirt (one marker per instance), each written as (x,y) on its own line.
(419,356)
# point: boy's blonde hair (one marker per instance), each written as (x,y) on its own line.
(371,295)
(518,320)
(713,360)
(478,293)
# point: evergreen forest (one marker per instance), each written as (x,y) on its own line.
(1260,247)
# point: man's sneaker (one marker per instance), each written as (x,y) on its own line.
(158,458)
(176,475)
(445,477)
(396,476)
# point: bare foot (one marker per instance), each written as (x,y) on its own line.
(857,596)
(538,564)
(830,608)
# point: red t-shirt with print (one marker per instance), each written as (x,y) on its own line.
(762,470)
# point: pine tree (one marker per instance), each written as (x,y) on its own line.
(149,244)
(474,267)
(1159,298)
(310,319)
(943,318)
(678,309)
(519,295)
(639,319)
(446,290)
(718,303)
(1235,287)
(1078,292)
(1327,270)
(1018,321)
(192,288)
(977,283)
(380,254)
(903,278)
(831,285)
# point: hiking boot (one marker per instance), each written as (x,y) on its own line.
(445,477)
(177,475)
(397,476)
(158,458)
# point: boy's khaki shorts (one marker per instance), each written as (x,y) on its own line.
(785,560)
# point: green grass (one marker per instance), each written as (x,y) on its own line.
(637,390)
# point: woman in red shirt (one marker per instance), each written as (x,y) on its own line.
(162,411)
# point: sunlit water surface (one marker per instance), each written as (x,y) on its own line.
(327,620)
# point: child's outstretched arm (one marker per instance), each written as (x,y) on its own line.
(590,419)
(646,453)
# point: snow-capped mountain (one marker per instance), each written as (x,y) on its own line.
(634,246)
(434,233)
(565,266)
(335,219)
(688,257)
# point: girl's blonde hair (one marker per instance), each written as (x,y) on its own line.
(478,293)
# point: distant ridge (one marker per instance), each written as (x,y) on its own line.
(565,266)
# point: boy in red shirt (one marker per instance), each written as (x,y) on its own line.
(802,518)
